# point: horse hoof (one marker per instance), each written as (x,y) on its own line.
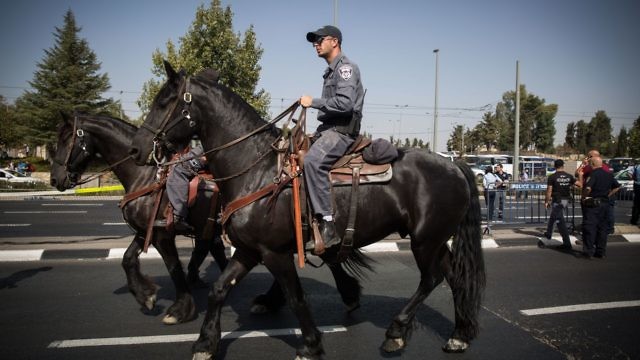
(150,302)
(170,320)
(455,346)
(202,356)
(391,345)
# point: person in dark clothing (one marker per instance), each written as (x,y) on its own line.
(635,212)
(600,186)
(558,195)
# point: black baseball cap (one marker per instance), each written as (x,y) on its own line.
(327,30)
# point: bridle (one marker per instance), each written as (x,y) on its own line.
(167,124)
(160,133)
(70,164)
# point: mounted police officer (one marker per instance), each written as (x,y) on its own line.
(597,190)
(340,113)
(178,187)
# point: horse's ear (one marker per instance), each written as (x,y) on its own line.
(209,74)
(171,74)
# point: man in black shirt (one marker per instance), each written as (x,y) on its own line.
(557,197)
(597,190)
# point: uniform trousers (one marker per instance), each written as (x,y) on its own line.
(178,183)
(595,229)
(635,212)
(323,153)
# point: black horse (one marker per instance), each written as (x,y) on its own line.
(428,198)
(111,137)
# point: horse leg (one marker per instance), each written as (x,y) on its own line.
(430,276)
(183,309)
(207,344)
(217,251)
(142,288)
(348,287)
(282,266)
(272,301)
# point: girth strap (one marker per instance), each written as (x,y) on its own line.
(347,241)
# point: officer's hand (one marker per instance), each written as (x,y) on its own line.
(305,101)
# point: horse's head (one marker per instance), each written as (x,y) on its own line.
(73,153)
(169,123)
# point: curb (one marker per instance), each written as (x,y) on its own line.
(383,246)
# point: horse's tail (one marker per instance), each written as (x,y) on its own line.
(468,278)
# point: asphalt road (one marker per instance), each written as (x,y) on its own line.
(49,302)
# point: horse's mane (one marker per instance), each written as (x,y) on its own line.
(209,80)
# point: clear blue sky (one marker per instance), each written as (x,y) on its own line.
(583,55)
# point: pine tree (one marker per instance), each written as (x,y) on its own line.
(212,43)
(67,79)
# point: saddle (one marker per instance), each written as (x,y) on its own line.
(350,169)
(199,188)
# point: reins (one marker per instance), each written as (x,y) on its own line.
(187,97)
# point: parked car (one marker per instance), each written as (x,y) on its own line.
(620,163)
(626,184)
(13,176)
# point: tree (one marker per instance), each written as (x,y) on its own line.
(67,79)
(600,130)
(537,124)
(570,137)
(622,143)
(211,43)
(456,140)
(9,130)
(582,133)
(634,139)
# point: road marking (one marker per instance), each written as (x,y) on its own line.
(114,224)
(580,307)
(136,340)
(46,212)
(14,225)
(381,247)
(632,237)
(487,243)
(73,204)
(21,255)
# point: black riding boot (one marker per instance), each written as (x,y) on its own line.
(328,232)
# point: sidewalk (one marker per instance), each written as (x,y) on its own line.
(112,248)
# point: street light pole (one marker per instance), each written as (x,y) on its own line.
(435,107)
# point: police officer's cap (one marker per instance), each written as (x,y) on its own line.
(327,30)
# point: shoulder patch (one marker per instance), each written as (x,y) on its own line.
(345,72)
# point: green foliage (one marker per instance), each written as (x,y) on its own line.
(496,130)
(67,79)
(211,42)
(10,130)
(634,139)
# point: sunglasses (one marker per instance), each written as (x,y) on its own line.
(320,40)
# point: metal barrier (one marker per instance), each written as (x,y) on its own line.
(523,203)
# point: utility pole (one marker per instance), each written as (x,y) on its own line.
(335,13)
(516,136)
(435,108)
